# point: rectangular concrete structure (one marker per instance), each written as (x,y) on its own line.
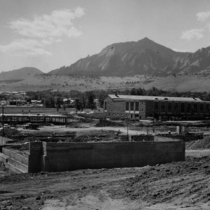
(45,156)
(73,156)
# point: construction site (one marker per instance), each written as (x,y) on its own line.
(88,161)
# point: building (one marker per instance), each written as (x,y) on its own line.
(159,107)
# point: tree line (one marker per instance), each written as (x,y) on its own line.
(86,99)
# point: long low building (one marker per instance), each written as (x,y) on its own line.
(159,107)
(34,118)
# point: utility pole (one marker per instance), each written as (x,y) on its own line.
(2,113)
(126,118)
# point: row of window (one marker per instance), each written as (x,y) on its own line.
(183,107)
(170,107)
(132,116)
(133,105)
(33,119)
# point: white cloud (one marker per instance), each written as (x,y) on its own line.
(58,23)
(203,16)
(42,31)
(25,47)
(192,34)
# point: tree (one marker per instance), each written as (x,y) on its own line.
(78,105)
(91,97)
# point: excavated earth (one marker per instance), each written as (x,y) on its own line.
(179,185)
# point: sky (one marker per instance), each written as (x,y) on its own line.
(49,34)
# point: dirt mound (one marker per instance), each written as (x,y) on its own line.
(165,183)
(105,123)
(199,144)
(178,185)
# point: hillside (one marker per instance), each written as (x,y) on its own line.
(183,83)
(68,82)
(144,57)
(19,74)
(194,83)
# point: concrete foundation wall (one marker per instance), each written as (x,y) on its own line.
(72,156)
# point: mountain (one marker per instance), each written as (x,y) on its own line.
(144,57)
(19,74)
(198,62)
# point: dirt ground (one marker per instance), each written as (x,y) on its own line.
(181,185)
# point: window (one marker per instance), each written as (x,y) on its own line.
(137,106)
(136,116)
(127,106)
(176,107)
(188,108)
(132,106)
(169,107)
(105,106)
(201,108)
(156,106)
(195,107)
(182,107)
(208,108)
(163,107)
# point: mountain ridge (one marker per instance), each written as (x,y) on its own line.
(144,57)
(19,74)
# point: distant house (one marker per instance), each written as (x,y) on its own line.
(36,103)
(18,102)
(69,101)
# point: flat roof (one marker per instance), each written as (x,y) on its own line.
(33,115)
(152,98)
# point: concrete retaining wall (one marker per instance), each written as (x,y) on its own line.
(16,161)
(48,156)
(72,156)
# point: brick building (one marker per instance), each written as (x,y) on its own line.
(143,107)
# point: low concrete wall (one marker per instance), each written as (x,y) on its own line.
(16,161)
(4,140)
(71,156)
